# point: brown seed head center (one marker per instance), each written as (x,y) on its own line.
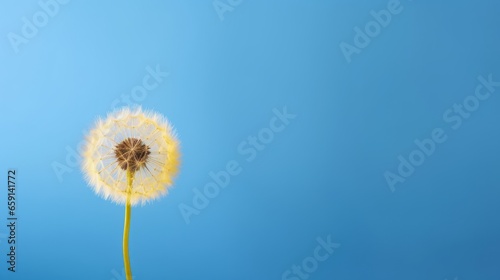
(131,154)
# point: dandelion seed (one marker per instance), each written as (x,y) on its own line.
(131,157)
(142,143)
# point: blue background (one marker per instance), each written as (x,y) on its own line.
(323,175)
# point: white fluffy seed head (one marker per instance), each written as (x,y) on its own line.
(103,157)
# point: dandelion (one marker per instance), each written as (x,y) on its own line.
(131,157)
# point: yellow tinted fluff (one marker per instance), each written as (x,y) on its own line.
(101,167)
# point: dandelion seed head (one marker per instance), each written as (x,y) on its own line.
(131,140)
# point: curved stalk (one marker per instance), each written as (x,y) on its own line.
(126,226)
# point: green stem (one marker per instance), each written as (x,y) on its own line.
(126,227)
